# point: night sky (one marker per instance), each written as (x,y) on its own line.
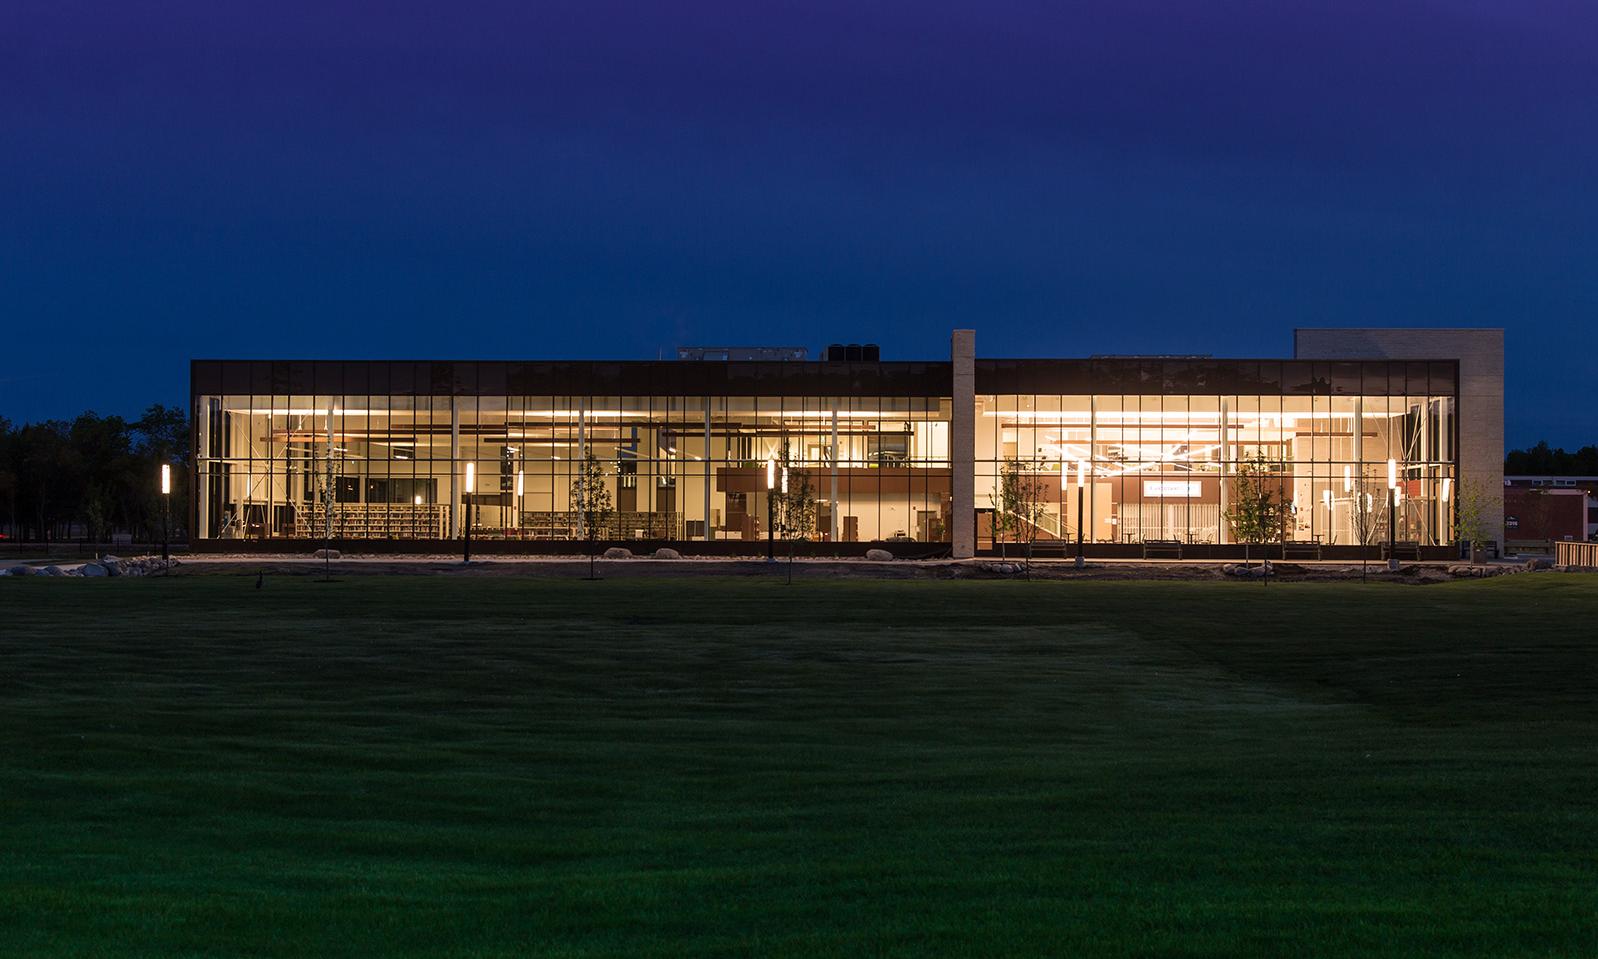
(600,179)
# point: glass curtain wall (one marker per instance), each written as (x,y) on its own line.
(1165,466)
(677,467)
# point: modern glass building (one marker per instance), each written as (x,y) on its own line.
(907,456)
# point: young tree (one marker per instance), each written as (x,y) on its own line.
(1258,514)
(1017,504)
(1366,518)
(590,499)
(1470,517)
(794,508)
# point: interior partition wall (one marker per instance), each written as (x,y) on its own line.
(420,450)
(1164,447)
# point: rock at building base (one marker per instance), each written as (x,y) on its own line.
(617,552)
(326,554)
(93,570)
(666,552)
(879,556)
(22,571)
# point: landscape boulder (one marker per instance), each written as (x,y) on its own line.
(879,556)
(50,571)
(326,554)
(22,570)
(666,552)
(93,570)
(617,552)
(1539,562)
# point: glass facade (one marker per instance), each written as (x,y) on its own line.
(394,465)
(1162,443)
(381,450)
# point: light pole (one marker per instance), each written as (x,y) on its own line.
(771,485)
(1081,485)
(785,523)
(1392,514)
(471,483)
(166,514)
(521,487)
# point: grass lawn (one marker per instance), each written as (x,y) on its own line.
(457,766)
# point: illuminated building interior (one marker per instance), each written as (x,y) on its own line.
(297,451)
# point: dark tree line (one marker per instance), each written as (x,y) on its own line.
(93,477)
(1541,460)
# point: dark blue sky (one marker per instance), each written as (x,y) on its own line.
(595,178)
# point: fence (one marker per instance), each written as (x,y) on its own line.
(1577,555)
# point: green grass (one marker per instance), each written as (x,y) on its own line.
(458,766)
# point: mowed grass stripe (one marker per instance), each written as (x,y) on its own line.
(483,767)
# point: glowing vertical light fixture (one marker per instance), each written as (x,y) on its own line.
(166,514)
(1081,486)
(771,510)
(521,483)
(1348,479)
(1448,485)
(471,487)
(1393,494)
(785,481)
(1326,497)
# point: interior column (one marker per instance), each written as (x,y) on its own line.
(834,511)
(454,466)
(710,531)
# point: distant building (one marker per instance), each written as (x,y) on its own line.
(1538,508)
